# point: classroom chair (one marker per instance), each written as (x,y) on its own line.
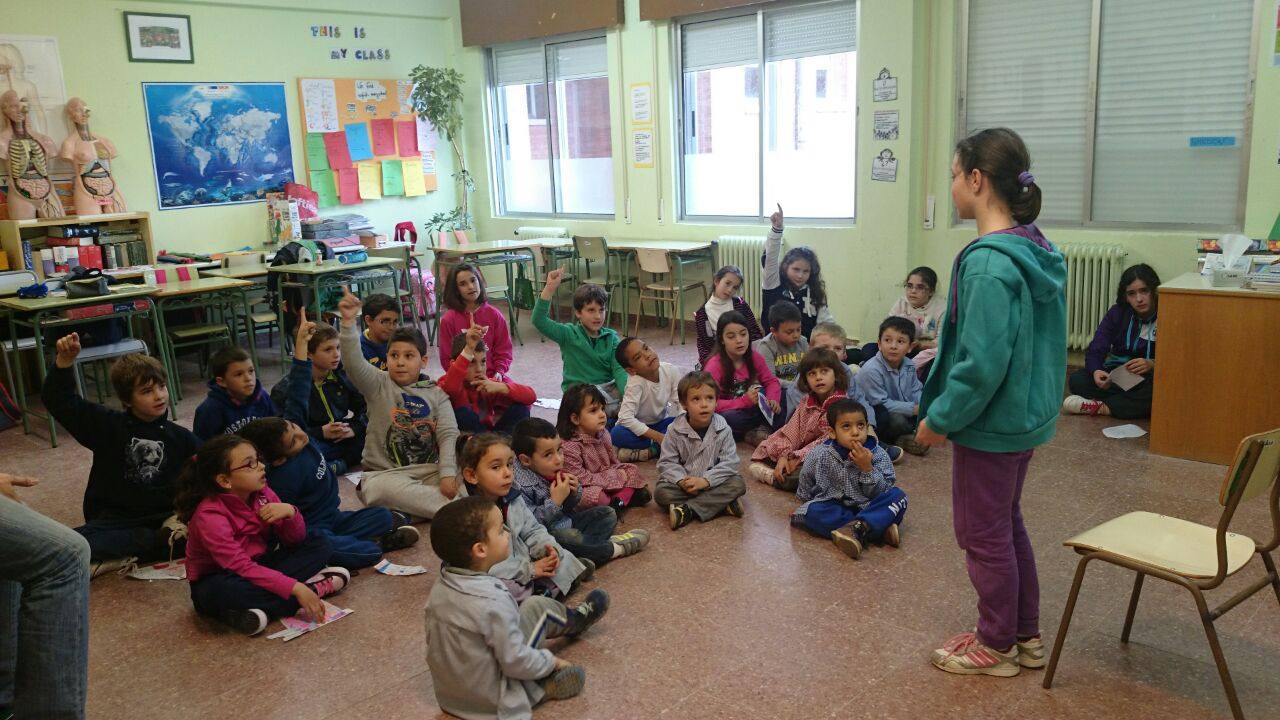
(1196,557)
(658,263)
(494,291)
(257,318)
(589,250)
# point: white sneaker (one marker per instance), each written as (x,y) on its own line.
(1076,405)
(760,472)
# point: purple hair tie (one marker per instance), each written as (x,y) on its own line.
(1026,179)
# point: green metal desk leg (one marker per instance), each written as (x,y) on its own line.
(20,386)
(248,325)
(168,356)
(36,320)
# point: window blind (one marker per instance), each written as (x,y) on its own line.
(1028,69)
(810,30)
(580,59)
(719,43)
(1172,87)
(523,65)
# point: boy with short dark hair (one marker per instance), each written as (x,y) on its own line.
(482,402)
(785,345)
(137,454)
(586,346)
(891,387)
(236,397)
(381,314)
(483,648)
(649,404)
(698,470)
(848,487)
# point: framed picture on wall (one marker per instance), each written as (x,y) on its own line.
(158,38)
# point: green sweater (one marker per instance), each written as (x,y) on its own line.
(996,383)
(586,359)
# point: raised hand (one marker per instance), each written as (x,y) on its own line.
(349,307)
(306,329)
(776,219)
(553,281)
(474,332)
(68,349)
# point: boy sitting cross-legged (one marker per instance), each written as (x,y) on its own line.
(482,402)
(482,648)
(649,403)
(847,485)
(236,397)
(698,470)
(381,315)
(586,346)
(137,455)
(554,494)
(892,388)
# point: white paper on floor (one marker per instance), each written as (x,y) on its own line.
(1124,431)
(176,570)
(355,478)
(298,625)
(548,403)
(386,567)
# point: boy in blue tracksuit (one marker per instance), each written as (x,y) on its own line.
(891,387)
(236,397)
(298,472)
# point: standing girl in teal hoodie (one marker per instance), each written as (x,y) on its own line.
(994,390)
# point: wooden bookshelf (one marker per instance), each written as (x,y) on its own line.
(14,232)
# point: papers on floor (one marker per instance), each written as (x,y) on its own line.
(548,403)
(386,567)
(298,625)
(1124,431)
(1122,378)
(176,570)
(354,478)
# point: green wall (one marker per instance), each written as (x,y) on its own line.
(239,41)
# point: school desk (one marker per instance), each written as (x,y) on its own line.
(328,274)
(682,252)
(218,294)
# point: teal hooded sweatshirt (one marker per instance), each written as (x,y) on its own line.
(996,383)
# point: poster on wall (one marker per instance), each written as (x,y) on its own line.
(885,167)
(217,143)
(886,125)
(29,65)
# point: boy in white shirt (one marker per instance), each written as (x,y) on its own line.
(649,403)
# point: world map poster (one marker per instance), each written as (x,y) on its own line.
(217,143)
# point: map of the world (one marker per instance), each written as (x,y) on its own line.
(216,144)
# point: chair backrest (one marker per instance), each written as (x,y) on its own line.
(240,259)
(653,261)
(1253,472)
(387,252)
(12,280)
(593,249)
(526,232)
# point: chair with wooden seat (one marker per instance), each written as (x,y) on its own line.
(658,263)
(588,250)
(1196,557)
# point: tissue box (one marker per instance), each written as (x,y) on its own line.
(1233,277)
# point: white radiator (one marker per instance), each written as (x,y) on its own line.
(745,252)
(1092,274)
(527,232)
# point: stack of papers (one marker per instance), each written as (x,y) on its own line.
(298,625)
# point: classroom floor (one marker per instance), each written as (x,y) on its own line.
(731,619)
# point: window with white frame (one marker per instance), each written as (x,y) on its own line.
(1136,116)
(552,142)
(768,110)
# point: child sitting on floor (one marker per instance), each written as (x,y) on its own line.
(847,485)
(587,346)
(891,387)
(589,456)
(783,347)
(483,400)
(797,280)
(538,564)
(649,403)
(236,397)
(482,647)
(554,495)
(468,305)
(742,374)
(698,471)
(381,315)
(833,337)
(410,447)
(298,472)
(337,416)
(777,460)
(724,297)
(137,455)
(924,308)
(250,558)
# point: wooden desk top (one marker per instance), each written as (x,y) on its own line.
(1195,283)
(668,245)
(199,285)
(55,302)
(239,271)
(333,266)
(498,246)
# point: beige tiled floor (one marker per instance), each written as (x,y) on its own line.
(731,619)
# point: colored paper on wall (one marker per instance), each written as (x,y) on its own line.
(427,135)
(370,181)
(392,177)
(358,142)
(348,186)
(384,136)
(407,134)
(413,181)
(322,185)
(317,159)
(335,148)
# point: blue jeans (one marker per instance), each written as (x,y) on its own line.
(113,537)
(469,421)
(44,615)
(224,590)
(589,535)
(887,508)
(350,535)
(624,438)
(348,451)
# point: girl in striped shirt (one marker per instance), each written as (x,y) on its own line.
(589,454)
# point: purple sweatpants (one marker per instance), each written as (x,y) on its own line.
(986,488)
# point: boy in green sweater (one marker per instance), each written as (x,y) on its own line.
(586,346)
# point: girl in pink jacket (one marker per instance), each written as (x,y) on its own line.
(589,456)
(778,459)
(249,556)
(743,375)
(467,303)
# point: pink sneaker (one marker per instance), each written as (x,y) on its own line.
(329,581)
(964,654)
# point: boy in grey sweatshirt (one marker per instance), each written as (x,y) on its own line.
(698,469)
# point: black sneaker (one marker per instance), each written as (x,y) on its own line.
(679,515)
(564,683)
(338,467)
(587,613)
(641,496)
(250,622)
(589,570)
(734,508)
(400,538)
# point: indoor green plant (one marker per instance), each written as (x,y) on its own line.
(437,98)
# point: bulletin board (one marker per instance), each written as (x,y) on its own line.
(363,141)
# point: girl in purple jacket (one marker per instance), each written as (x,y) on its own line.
(1126,337)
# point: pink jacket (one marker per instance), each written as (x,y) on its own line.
(593,462)
(732,394)
(227,534)
(497,339)
(806,429)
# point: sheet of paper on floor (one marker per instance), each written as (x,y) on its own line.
(1124,431)
(298,625)
(386,567)
(354,478)
(176,570)
(548,403)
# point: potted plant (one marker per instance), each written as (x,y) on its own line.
(437,98)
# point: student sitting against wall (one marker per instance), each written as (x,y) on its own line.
(1126,337)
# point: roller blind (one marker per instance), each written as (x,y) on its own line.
(719,43)
(1172,86)
(522,65)
(580,59)
(810,30)
(1028,69)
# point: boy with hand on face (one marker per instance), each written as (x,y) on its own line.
(649,404)
(891,387)
(586,347)
(482,401)
(236,397)
(698,471)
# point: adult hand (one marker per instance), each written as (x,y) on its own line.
(349,307)
(1101,378)
(1139,366)
(310,602)
(926,436)
(68,349)
(449,486)
(9,482)
(275,512)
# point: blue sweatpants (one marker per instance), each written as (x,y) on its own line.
(624,438)
(354,536)
(887,508)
